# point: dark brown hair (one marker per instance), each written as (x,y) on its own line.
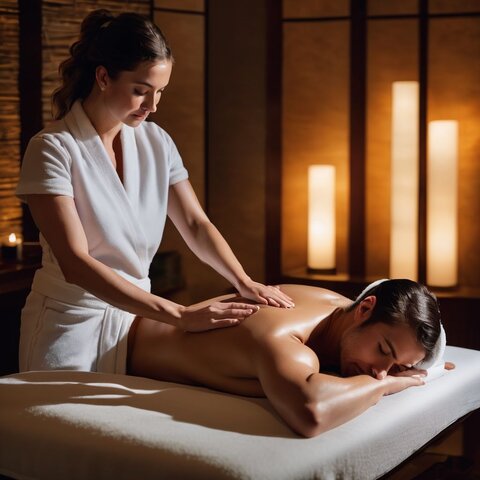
(118,43)
(408,302)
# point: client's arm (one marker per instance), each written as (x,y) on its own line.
(311,402)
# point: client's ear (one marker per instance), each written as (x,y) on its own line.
(365,308)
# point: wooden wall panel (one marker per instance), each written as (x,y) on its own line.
(453,6)
(237,130)
(185,5)
(454,93)
(315,8)
(392,56)
(181,112)
(392,7)
(315,128)
(10,209)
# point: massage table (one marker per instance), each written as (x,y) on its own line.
(80,425)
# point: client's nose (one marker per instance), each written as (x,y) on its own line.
(380,371)
(379,374)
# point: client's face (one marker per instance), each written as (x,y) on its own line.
(379,349)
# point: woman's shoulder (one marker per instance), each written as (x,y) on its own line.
(55,133)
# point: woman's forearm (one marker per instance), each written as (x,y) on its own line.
(104,283)
(209,246)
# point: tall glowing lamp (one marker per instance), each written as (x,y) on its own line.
(442,203)
(321,218)
(404,180)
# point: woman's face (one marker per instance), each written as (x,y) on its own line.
(133,95)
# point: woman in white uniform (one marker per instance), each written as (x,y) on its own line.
(99,182)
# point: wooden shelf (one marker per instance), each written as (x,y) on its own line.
(346,283)
(16,276)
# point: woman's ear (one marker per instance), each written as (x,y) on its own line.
(365,308)
(101,76)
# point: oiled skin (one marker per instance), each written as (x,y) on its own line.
(227,359)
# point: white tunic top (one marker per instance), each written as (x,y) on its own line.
(123,224)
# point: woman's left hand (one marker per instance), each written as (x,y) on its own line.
(268,295)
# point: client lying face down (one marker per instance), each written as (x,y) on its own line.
(379,344)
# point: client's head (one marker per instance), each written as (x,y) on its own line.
(397,325)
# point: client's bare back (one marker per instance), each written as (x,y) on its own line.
(226,359)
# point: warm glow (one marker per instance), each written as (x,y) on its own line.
(12,238)
(321,217)
(442,203)
(404,178)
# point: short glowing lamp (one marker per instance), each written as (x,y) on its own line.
(442,203)
(321,218)
(404,180)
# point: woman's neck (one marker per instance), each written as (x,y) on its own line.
(106,127)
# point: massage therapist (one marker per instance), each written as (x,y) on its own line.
(99,182)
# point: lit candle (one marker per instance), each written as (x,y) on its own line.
(442,203)
(321,218)
(11,248)
(404,181)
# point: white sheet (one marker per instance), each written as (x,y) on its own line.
(76,425)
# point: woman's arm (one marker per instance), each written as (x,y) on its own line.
(57,218)
(206,242)
(311,402)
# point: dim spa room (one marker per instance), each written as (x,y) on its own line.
(240,239)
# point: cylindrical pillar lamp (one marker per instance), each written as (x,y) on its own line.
(404,180)
(321,218)
(442,203)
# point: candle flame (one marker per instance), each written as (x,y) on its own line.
(12,238)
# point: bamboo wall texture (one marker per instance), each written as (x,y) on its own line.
(10,209)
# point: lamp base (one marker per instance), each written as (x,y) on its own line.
(322,271)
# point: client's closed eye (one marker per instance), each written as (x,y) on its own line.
(382,350)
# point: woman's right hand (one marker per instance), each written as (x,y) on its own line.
(216,315)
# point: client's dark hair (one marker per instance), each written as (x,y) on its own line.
(406,302)
(119,43)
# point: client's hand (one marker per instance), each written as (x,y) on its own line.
(395,384)
(398,371)
(215,315)
(265,294)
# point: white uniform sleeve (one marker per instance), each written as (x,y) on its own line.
(46,168)
(177,171)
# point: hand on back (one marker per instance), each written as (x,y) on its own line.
(265,294)
(216,315)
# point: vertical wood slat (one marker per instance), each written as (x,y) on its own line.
(273,165)
(358,101)
(10,210)
(30,87)
(423,132)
